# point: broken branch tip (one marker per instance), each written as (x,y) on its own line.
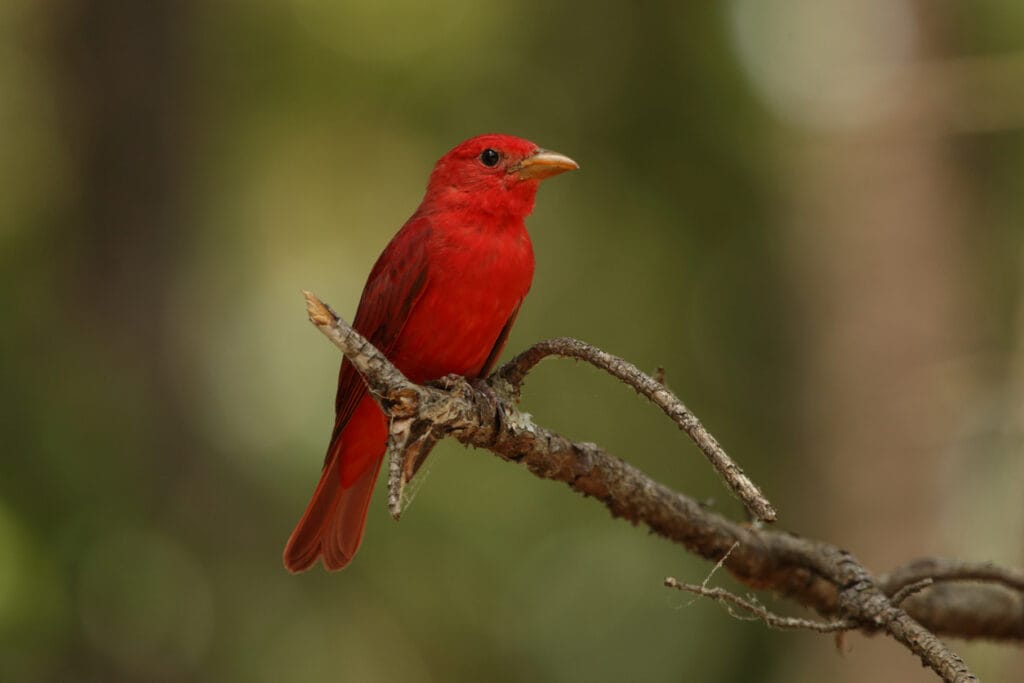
(318,312)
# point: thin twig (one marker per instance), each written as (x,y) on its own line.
(714,570)
(514,373)
(719,564)
(770,618)
(902,594)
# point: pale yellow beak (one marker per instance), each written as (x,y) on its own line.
(544,164)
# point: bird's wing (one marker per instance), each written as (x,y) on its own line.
(499,343)
(395,284)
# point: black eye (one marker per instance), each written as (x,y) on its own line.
(489,157)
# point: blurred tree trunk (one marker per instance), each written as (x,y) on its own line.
(121,69)
(878,217)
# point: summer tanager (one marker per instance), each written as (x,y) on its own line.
(440,300)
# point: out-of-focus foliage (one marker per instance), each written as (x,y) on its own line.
(173,174)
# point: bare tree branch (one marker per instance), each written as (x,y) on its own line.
(952,570)
(902,594)
(514,372)
(813,573)
(967,600)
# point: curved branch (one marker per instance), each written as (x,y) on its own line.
(952,570)
(514,373)
(815,574)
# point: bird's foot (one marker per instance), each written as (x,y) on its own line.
(447,383)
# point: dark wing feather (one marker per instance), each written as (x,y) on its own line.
(395,284)
(499,344)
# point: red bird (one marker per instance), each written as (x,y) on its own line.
(440,300)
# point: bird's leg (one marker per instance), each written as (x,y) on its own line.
(494,396)
(446,383)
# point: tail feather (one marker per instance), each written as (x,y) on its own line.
(303,546)
(335,518)
(334,522)
(343,532)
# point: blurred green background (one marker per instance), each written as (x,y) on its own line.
(810,213)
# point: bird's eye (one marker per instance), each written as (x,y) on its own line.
(489,157)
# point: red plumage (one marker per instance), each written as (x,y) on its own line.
(440,300)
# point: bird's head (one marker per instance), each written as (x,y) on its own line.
(494,174)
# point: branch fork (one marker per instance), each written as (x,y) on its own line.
(967,599)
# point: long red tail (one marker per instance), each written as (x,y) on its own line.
(333,523)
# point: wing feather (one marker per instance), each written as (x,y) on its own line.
(393,287)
